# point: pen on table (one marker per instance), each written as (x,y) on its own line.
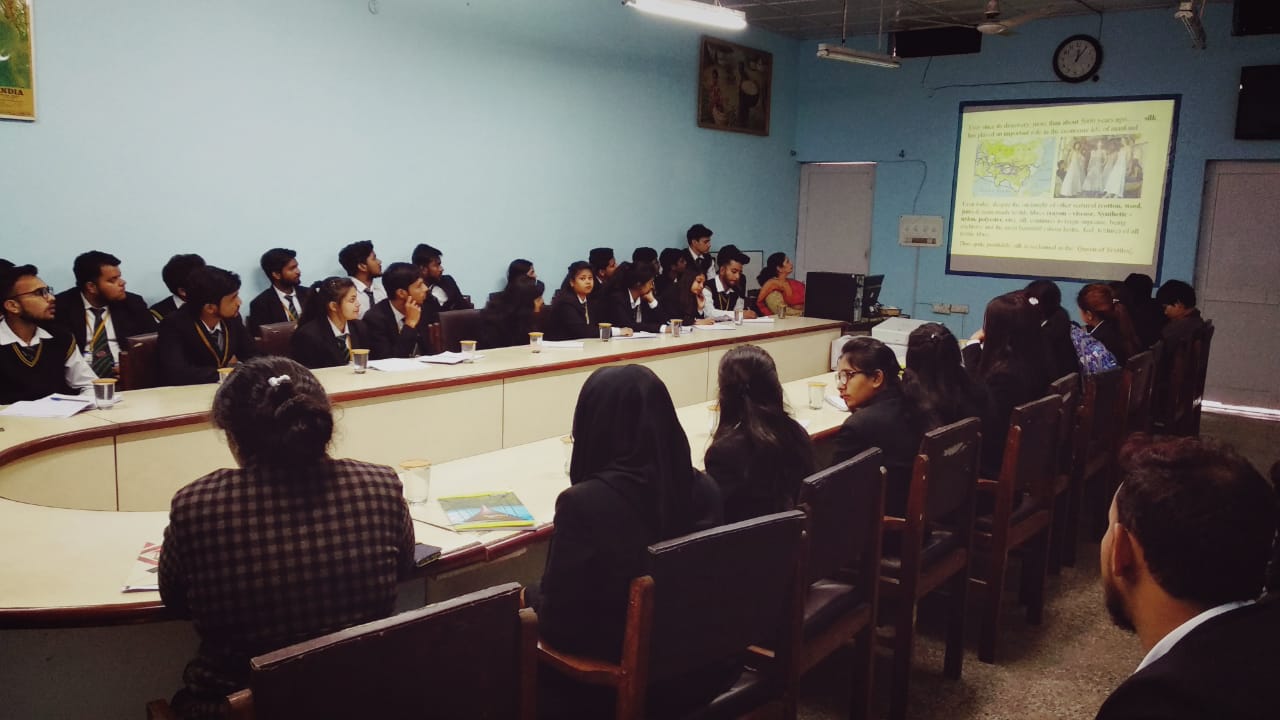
(435,525)
(68,399)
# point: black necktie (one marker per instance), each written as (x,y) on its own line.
(369,294)
(218,342)
(342,343)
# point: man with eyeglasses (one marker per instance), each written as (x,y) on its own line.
(37,358)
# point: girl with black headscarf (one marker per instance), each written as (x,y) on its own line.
(632,484)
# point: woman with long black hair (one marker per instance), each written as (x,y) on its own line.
(936,380)
(686,300)
(631,484)
(759,454)
(574,314)
(330,327)
(512,314)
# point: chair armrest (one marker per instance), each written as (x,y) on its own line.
(986,485)
(582,669)
(160,710)
(895,523)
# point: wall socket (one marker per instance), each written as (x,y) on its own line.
(960,309)
(941,309)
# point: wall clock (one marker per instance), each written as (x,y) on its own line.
(1077,58)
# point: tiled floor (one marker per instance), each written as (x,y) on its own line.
(1062,669)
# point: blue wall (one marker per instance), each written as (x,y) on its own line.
(491,129)
(852,113)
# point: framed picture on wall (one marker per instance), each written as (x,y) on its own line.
(17,64)
(735,85)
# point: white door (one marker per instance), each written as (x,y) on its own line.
(834,233)
(1237,267)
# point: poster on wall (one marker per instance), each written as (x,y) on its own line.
(734,87)
(17,64)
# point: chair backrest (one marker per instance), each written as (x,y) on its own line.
(950,456)
(1201,343)
(1139,376)
(722,590)
(1103,408)
(1067,387)
(274,338)
(139,367)
(458,325)
(1030,458)
(465,657)
(845,507)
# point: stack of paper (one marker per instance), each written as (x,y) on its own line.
(638,335)
(447,358)
(395,364)
(56,405)
(563,344)
(768,319)
(717,326)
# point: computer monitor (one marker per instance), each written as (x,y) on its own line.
(834,296)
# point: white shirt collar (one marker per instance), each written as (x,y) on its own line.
(8,337)
(336,331)
(178,302)
(360,287)
(1167,642)
(283,300)
(399,316)
(696,255)
(715,279)
(210,330)
(88,308)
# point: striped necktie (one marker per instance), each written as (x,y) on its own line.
(345,344)
(292,309)
(102,362)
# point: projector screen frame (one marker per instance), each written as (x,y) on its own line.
(1163,216)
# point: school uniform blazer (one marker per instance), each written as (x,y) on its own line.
(883,422)
(756,481)
(313,344)
(1059,351)
(1108,333)
(621,314)
(184,352)
(266,309)
(703,263)
(386,340)
(1223,669)
(568,319)
(1004,390)
(432,308)
(164,308)
(669,306)
(129,316)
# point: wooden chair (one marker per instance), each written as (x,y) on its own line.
(707,598)
(934,548)
(1062,541)
(1180,384)
(458,325)
(473,656)
(1200,345)
(139,366)
(1138,383)
(845,508)
(275,338)
(1099,434)
(1022,515)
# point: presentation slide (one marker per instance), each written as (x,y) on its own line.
(1072,190)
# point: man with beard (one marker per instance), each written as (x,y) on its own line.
(284,300)
(1183,560)
(100,313)
(37,357)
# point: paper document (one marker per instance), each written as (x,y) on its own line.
(563,344)
(144,576)
(447,358)
(638,335)
(837,402)
(395,364)
(717,326)
(56,405)
(758,320)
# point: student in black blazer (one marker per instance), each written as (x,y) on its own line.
(396,326)
(671,264)
(284,299)
(330,327)
(175,274)
(1007,357)
(206,333)
(936,381)
(759,454)
(631,305)
(443,292)
(880,415)
(686,300)
(631,485)
(604,265)
(99,285)
(512,314)
(1189,535)
(698,254)
(574,315)
(727,287)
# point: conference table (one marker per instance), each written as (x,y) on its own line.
(80,496)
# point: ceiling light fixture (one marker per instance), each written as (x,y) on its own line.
(827,51)
(840,52)
(693,11)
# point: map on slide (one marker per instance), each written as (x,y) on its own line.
(1010,167)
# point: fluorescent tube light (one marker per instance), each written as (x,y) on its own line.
(693,11)
(839,52)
